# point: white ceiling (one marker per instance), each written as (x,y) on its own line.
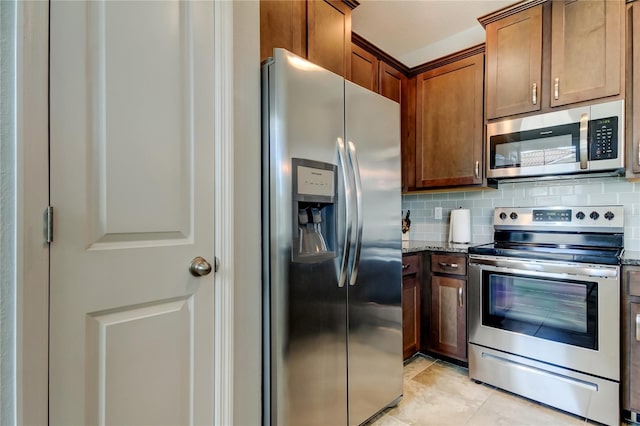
(418,31)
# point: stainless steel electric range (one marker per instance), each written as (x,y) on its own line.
(544,307)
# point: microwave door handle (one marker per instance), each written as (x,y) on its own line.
(346,177)
(584,127)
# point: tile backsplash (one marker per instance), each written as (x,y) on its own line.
(571,192)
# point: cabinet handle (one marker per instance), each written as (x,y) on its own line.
(638,152)
(477,170)
(584,129)
(556,88)
(534,94)
(405,266)
(448,265)
(460,303)
(638,328)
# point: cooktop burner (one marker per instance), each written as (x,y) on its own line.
(584,234)
(606,256)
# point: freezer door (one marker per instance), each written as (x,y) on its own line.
(374,295)
(305,308)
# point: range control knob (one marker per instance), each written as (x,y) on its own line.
(594,215)
(513,215)
(609,215)
(580,215)
(503,215)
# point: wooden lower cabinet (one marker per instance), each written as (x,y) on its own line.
(631,339)
(410,304)
(448,316)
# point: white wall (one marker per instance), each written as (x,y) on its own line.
(248,284)
(7,212)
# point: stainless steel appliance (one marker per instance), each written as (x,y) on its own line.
(544,307)
(578,140)
(331,247)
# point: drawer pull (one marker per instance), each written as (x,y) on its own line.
(405,266)
(448,265)
(460,302)
(638,328)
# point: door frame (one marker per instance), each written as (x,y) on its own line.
(31,195)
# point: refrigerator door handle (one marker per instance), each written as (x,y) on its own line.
(353,161)
(342,153)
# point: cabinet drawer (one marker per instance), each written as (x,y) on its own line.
(449,264)
(410,264)
(633,278)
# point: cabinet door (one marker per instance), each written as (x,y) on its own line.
(586,49)
(514,63)
(391,81)
(364,68)
(633,356)
(410,315)
(634,40)
(448,317)
(329,35)
(631,339)
(408,140)
(282,24)
(449,124)
(411,294)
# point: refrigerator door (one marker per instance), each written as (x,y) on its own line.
(305,307)
(374,296)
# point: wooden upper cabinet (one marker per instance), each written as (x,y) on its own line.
(449,124)
(364,68)
(283,24)
(329,35)
(586,50)
(543,55)
(514,64)
(391,81)
(318,30)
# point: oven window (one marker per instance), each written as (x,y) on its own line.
(562,311)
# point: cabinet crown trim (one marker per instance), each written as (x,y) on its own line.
(508,11)
(351,3)
(359,41)
(445,60)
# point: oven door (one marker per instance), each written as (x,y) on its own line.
(566,314)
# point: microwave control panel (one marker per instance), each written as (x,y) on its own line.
(603,137)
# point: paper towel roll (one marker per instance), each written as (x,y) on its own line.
(460,226)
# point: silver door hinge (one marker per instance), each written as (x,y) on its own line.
(48,224)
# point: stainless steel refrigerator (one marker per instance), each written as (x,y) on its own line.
(331,213)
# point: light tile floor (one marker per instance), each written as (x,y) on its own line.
(440,393)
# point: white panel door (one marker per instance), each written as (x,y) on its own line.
(131,140)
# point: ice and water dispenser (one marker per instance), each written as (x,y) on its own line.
(314,210)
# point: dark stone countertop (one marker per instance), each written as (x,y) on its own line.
(628,258)
(415,246)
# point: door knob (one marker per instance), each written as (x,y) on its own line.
(199,267)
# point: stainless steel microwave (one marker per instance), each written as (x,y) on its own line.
(578,140)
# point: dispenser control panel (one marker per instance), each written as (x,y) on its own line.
(315,181)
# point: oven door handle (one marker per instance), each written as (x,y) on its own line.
(537,266)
